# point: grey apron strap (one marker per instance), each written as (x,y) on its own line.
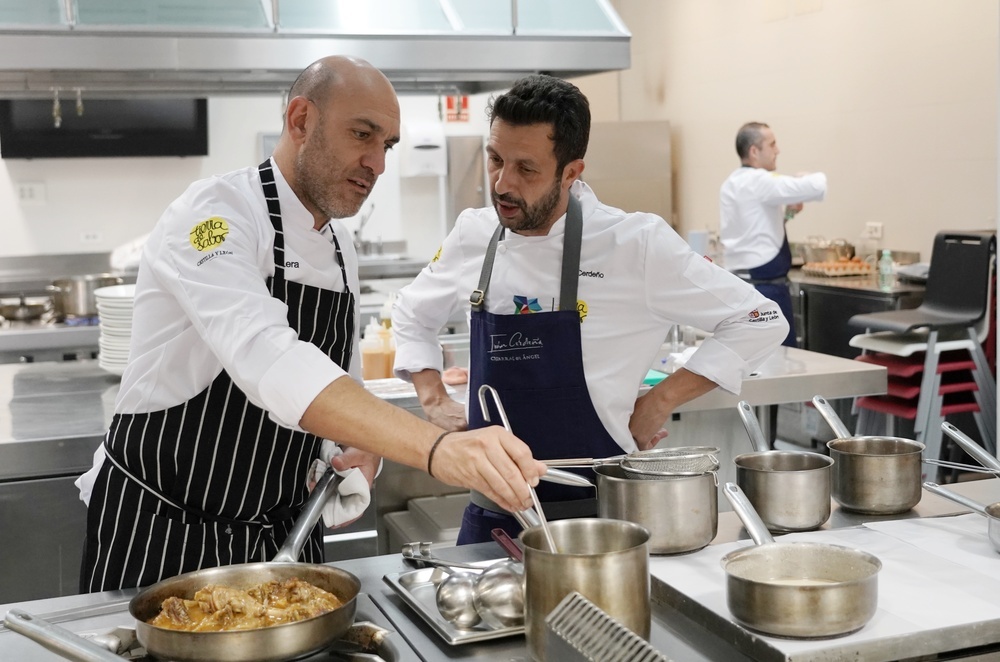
(570,271)
(478,298)
(572,240)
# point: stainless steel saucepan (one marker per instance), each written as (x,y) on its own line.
(990,512)
(797,589)
(790,490)
(872,475)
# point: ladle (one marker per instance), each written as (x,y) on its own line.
(534,496)
(495,597)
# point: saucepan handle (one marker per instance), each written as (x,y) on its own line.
(971,447)
(744,509)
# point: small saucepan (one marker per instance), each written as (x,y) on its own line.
(790,490)
(872,475)
(990,512)
(797,589)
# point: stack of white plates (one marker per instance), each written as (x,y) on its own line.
(114,308)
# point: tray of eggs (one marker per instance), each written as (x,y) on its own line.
(842,267)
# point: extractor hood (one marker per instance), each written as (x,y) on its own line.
(206,47)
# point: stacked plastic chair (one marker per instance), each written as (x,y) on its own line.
(934,353)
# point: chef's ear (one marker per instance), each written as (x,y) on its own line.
(572,171)
(295,118)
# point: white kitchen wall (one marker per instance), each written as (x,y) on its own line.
(896,100)
(93,205)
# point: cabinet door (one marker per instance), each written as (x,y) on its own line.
(42,527)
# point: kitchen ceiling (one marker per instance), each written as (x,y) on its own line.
(201,47)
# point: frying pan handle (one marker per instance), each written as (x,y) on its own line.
(831,418)
(744,509)
(325,488)
(57,639)
(960,499)
(752,425)
(971,447)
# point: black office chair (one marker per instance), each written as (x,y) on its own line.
(957,283)
(953,316)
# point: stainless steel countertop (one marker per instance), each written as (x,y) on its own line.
(53,415)
(858,283)
(74,399)
(672,633)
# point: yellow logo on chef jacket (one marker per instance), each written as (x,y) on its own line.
(581,307)
(437,256)
(209,234)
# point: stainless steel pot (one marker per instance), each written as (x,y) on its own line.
(797,589)
(74,296)
(681,513)
(990,512)
(872,475)
(790,490)
(606,561)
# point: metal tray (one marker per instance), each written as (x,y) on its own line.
(417,589)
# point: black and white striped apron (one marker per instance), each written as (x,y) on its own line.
(212,481)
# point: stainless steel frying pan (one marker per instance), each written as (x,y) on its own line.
(271,644)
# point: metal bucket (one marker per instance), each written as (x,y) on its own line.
(681,513)
(604,560)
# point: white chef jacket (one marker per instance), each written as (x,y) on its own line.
(637,277)
(752,214)
(198,312)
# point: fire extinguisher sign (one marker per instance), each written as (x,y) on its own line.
(458,108)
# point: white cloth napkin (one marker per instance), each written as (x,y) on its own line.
(353,494)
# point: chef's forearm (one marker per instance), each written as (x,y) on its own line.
(346,413)
(681,387)
(430,388)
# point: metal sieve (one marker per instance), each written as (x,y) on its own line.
(658,463)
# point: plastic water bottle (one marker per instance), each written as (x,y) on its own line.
(886,278)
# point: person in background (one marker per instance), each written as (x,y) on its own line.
(755,202)
(569,301)
(244,357)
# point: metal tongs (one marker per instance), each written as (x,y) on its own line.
(532,516)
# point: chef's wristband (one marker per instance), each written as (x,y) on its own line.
(430,455)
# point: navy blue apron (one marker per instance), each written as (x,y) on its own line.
(771,280)
(212,481)
(535,363)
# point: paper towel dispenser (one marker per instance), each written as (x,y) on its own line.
(424,150)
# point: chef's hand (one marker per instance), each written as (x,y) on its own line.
(352,457)
(646,424)
(438,406)
(654,408)
(489,460)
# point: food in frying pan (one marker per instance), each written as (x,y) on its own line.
(221,608)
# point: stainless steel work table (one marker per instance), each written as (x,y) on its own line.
(673,633)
